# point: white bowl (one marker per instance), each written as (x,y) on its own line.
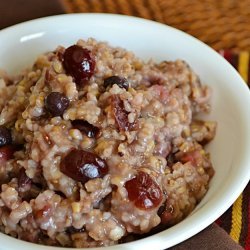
(21,44)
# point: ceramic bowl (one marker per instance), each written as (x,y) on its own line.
(20,45)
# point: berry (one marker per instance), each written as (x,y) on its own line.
(5,136)
(144,191)
(7,153)
(24,182)
(56,103)
(82,166)
(78,63)
(121,115)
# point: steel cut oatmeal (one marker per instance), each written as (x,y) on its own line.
(98,147)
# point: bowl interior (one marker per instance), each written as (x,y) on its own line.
(21,44)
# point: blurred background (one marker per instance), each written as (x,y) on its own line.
(222,24)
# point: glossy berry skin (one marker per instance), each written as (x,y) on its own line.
(5,136)
(79,63)
(86,128)
(120,81)
(82,166)
(56,103)
(144,192)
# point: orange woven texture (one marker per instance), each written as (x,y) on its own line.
(222,24)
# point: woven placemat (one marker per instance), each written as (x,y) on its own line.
(222,24)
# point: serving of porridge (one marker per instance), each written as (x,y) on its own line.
(98,147)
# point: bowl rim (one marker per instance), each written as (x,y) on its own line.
(236,186)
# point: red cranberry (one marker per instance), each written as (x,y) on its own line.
(86,128)
(24,182)
(144,191)
(7,153)
(121,115)
(82,166)
(78,63)
(56,103)
(120,81)
(5,136)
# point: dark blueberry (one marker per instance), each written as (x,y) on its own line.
(82,166)
(78,63)
(120,81)
(86,128)
(5,136)
(143,191)
(56,103)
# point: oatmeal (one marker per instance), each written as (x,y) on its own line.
(98,146)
